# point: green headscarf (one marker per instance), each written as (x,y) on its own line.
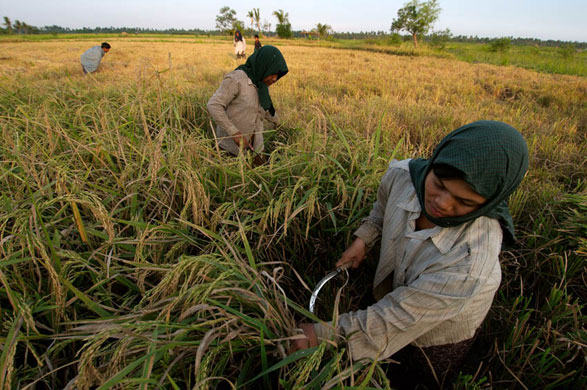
(266,61)
(493,158)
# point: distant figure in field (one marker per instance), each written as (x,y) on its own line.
(257,42)
(242,101)
(240,45)
(92,57)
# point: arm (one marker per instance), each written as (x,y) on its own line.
(273,119)
(439,293)
(355,254)
(219,102)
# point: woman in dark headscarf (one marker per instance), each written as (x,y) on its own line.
(442,222)
(242,102)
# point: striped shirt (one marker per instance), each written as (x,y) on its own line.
(91,58)
(433,286)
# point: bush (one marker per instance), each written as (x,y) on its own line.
(438,39)
(284,30)
(500,44)
(567,50)
(394,39)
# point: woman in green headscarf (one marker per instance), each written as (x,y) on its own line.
(442,222)
(242,101)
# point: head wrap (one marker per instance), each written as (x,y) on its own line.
(238,36)
(264,62)
(493,158)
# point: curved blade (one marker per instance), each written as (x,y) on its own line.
(321,284)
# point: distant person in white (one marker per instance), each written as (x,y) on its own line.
(240,45)
(92,57)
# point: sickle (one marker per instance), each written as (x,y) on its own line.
(322,282)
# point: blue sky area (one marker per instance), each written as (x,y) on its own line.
(543,19)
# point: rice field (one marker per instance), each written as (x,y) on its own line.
(135,255)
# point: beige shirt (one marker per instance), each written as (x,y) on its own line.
(235,108)
(434,286)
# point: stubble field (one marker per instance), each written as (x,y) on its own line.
(135,255)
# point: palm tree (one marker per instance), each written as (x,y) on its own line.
(282,16)
(257,17)
(251,15)
(8,24)
(18,25)
(323,29)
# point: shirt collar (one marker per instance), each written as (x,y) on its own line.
(410,203)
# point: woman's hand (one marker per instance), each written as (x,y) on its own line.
(310,341)
(239,138)
(354,255)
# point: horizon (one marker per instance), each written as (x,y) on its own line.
(525,19)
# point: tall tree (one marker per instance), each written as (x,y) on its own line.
(323,29)
(17,25)
(226,19)
(238,25)
(266,26)
(283,28)
(282,16)
(257,17)
(251,15)
(8,24)
(416,18)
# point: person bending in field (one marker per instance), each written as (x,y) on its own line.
(257,42)
(242,101)
(240,45)
(92,57)
(442,222)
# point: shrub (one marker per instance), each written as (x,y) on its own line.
(567,50)
(284,30)
(438,39)
(394,39)
(500,44)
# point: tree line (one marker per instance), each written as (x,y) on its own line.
(17,27)
(416,18)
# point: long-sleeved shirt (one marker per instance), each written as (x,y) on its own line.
(433,286)
(91,58)
(235,108)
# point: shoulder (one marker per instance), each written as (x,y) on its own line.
(398,170)
(400,164)
(484,227)
(483,237)
(238,76)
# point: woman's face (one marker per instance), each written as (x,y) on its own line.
(450,197)
(272,78)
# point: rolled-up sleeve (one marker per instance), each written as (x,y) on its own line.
(462,277)
(405,314)
(218,103)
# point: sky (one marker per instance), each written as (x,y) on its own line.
(542,19)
